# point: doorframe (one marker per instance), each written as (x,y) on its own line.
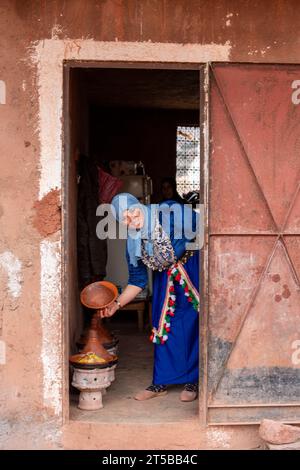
(203,69)
(204,120)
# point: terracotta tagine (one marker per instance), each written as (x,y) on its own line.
(108,341)
(97,296)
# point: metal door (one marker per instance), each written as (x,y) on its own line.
(253,326)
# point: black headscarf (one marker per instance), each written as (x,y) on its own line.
(172,182)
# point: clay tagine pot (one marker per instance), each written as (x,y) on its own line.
(97,296)
(108,340)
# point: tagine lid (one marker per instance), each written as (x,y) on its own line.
(99,294)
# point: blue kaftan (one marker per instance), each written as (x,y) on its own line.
(175,361)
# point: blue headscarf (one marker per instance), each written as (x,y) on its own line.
(126,201)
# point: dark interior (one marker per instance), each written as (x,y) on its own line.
(133,115)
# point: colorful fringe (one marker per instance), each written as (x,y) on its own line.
(175,274)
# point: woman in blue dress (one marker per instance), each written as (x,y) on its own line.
(157,239)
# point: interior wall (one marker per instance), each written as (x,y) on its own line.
(78,121)
(148,135)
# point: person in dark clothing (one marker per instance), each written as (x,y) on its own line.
(169,190)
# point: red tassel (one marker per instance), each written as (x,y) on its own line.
(190,299)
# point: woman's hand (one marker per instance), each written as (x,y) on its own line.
(109,311)
(128,294)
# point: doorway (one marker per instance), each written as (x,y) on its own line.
(117,116)
(261,224)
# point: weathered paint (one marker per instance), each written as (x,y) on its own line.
(51,353)
(47,218)
(12,266)
(2,352)
(2,92)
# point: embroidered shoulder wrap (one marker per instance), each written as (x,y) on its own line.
(164,258)
(163,251)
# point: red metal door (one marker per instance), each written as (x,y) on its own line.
(253,340)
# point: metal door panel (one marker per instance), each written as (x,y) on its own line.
(236,202)
(254,241)
(259,102)
(236,266)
